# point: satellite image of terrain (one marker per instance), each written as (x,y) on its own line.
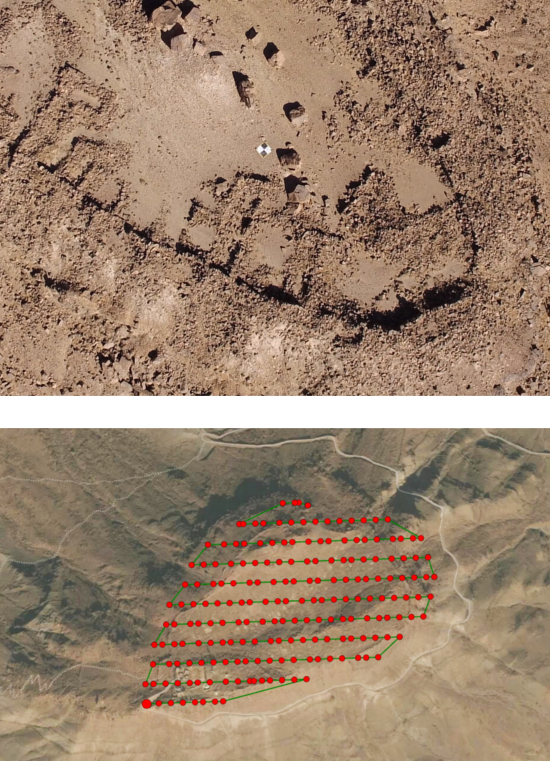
(358,594)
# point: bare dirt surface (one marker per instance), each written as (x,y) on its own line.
(392,241)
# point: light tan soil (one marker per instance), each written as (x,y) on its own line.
(147,248)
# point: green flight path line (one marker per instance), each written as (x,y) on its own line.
(267,689)
(264,690)
(297,640)
(248,694)
(331,658)
(269,509)
(388,647)
(237,563)
(289,621)
(306,581)
(403,528)
(322,522)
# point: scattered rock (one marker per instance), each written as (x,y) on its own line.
(296,114)
(194,16)
(253,36)
(180,42)
(367,69)
(245,88)
(274,56)
(199,47)
(122,332)
(221,186)
(289,159)
(122,367)
(277,60)
(217,56)
(300,194)
(166,16)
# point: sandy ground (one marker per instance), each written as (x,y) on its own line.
(147,248)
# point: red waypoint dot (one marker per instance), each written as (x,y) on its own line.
(146,704)
(282,503)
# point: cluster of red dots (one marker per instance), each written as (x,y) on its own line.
(254,582)
(311,580)
(379,617)
(195,702)
(330,619)
(282,503)
(307,561)
(302,601)
(306,620)
(197,682)
(327,540)
(315,522)
(278,640)
(178,682)
(292,542)
(257,661)
(318,580)
(262,680)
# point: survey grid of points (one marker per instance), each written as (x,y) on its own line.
(326,573)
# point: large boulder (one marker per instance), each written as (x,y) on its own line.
(165,16)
